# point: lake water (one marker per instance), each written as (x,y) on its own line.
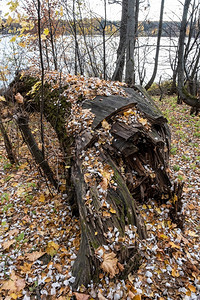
(14,57)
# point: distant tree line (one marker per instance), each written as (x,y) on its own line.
(146,28)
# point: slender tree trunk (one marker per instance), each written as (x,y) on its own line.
(130,43)
(95,73)
(52,38)
(157,47)
(104,42)
(8,145)
(77,52)
(181,47)
(183,93)
(22,122)
(118,73)
(42,78)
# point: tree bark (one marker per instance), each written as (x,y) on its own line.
(130,44)
(148,85)
(184,95)
(118,73)
(134,146)
(22,122)
(7,143)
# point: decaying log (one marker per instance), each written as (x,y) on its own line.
(119,156)
(136,153)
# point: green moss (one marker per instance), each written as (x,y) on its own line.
(188,95)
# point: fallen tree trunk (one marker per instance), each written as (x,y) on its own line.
(119,156)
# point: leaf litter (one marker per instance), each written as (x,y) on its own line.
(40,237)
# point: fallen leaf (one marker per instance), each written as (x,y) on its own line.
(7,244)
(26,268)
(2,98)
(129,112)
(175,273)
(192,233)
(13,232)
(112,210)
(19,98)
(100,296)
(143,121)
(14,284)
(34,255)
(52,248)
(20,284)
(42,198)
(105,125)
(104,184)
(106,214)
(109,264)
(137,297)
(80,296)
(173,245)
(192,288)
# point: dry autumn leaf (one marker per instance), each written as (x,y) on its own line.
(19,98)
(100,296)
(7,244)
(173,245)
(14,284)
(143,121)
(13,232)
(105,125)
(104,184)
(112,210)
(42,198)
(175,273)
(26,268)
(80,296)
(34,255)
(106,214)
(52,248)
(192,288)
(109,264)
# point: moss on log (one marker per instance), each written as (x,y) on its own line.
(119,146)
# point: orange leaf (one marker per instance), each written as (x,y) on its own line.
(26,268)
(175,273)
(192,288)
(174,245)
(112,210)
(42,198)
(143,121)
(104,184)
(106,214)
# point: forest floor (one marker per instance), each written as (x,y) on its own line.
(39,238)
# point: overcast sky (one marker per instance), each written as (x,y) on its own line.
(173,9)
